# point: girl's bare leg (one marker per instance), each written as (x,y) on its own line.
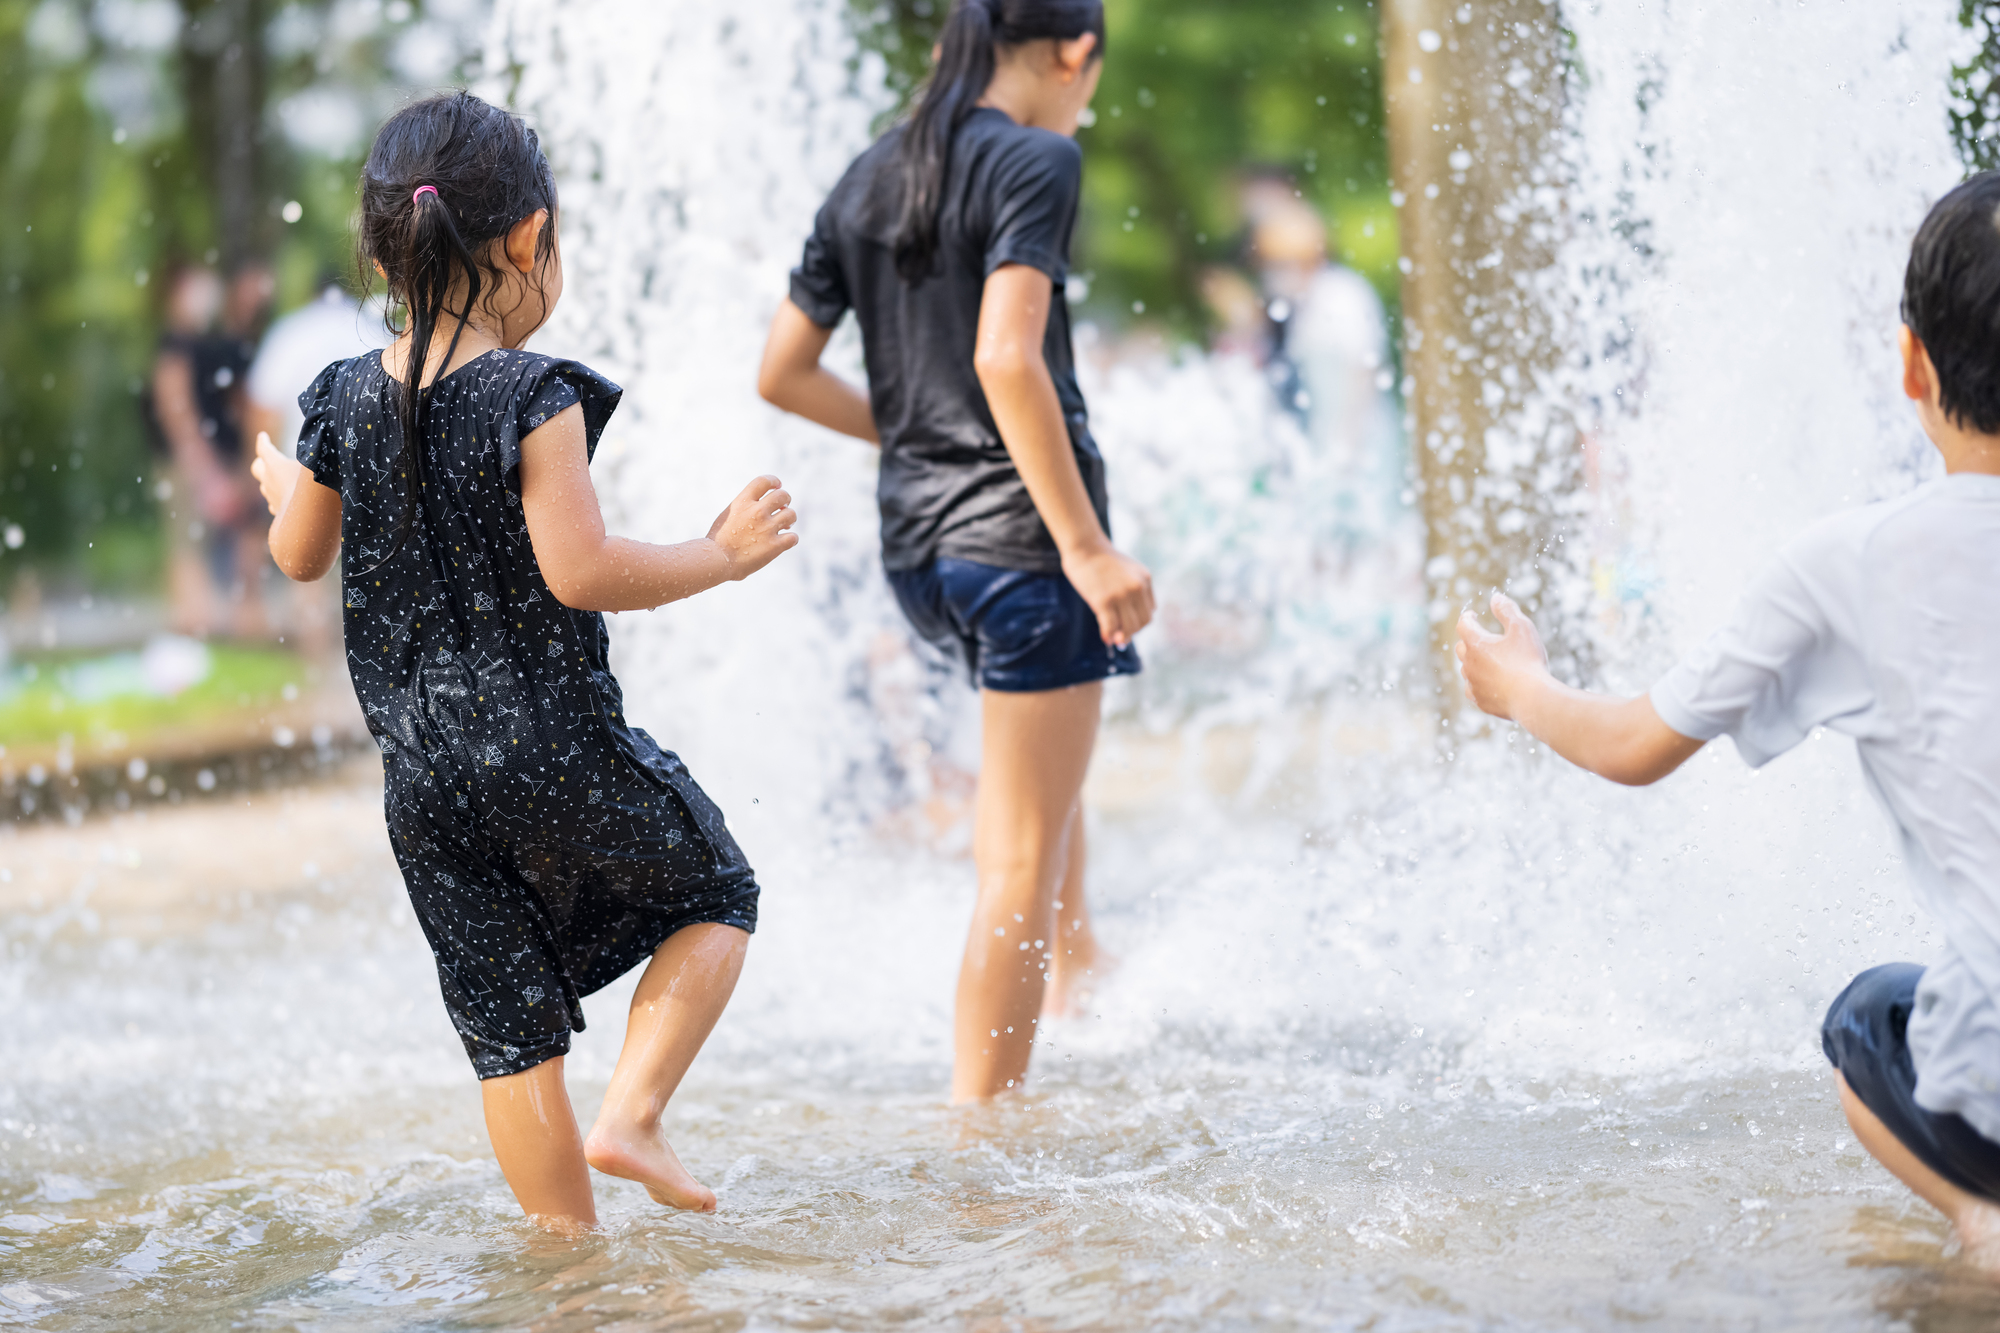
(534,1135)
(1976,1220)
(1036,750)
(1079,965)
(679,998)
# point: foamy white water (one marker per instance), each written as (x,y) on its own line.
(1407,1036)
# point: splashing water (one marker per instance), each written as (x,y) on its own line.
(1408,1035)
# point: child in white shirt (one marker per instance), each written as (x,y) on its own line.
(1882,623)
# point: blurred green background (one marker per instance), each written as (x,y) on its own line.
(144,134)
(147,134)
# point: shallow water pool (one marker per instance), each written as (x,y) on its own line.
(233,1099)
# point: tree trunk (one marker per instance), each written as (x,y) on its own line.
(223,77)
(1475,100)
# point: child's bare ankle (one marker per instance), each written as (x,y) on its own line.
(611,1143)
(560,1224)
(642,1154)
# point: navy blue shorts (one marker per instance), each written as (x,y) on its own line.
(1864,1036)
(1015,630)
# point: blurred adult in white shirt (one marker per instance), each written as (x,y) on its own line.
(331,327)
(1328,361)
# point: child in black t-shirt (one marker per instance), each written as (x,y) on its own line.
(950,241)
(548,846)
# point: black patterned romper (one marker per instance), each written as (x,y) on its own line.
(548,847)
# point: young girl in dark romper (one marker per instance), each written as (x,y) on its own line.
(950,240)
(548,846)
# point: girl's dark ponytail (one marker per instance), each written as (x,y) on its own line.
(447,176)
(965,64)
(434,253)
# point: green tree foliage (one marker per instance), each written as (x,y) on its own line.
(1194,92)
(1975,91)
(78,213)
(117,170)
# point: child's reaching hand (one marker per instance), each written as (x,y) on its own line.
(277,476)
(756,527)
(589,570)
(1507,675)
(1496,667)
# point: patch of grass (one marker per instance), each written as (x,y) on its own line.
(44,699)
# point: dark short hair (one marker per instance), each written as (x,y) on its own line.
(1951,300)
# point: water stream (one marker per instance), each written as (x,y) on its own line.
(1408,1035)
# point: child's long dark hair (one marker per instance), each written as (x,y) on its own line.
(447,176)
(964,68)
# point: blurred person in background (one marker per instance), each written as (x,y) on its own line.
(1329,340)
(1318,335)
(215,536)
(192,484)
(1241,327)
(331,327)
(240,550)
(1327,358)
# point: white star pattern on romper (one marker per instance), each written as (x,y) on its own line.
(456,619)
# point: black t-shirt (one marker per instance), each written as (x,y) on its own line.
(948,486)
(465,585)
(219,365)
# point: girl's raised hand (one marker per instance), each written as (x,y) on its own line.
(756,528)
(277,476)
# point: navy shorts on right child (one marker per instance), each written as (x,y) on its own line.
(1865,1037)
(1015,630)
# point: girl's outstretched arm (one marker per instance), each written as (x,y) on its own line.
(305,527)
(1013,321)
(1507,675)
(793,379)
(591,571)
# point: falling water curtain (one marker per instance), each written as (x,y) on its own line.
(1475,91)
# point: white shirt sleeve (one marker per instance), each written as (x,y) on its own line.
(270,380)
(1777,668)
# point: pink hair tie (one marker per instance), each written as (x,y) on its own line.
(423,190)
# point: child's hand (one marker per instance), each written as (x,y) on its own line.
(1117,588)
(1495,667)
(756,528)
(277,476)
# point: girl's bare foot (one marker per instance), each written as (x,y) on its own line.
(632,1153)
(1978,1228)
